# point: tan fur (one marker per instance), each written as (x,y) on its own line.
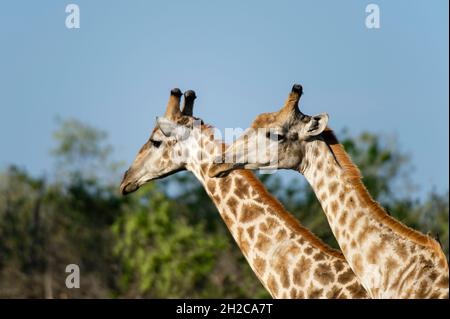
(354,177)
(287,217)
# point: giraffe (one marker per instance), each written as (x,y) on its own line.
(286,257)
(390,259)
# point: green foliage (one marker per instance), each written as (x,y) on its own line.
(161,252)
(167,240)
(82,152)
(79,141)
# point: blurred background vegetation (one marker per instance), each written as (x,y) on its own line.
(158,243)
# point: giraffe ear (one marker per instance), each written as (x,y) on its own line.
(317,124)
(172,129)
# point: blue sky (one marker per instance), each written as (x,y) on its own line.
(241,57)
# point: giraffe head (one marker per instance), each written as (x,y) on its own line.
(288,131)
(171,145)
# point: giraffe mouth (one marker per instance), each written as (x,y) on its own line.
(126,189)
(128,186)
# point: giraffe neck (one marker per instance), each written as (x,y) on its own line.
(390,260)
(289,260)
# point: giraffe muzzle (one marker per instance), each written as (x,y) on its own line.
(128,185)
(126,189)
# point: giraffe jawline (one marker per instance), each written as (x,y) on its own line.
(151,179)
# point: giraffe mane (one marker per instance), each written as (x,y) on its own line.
(354,177)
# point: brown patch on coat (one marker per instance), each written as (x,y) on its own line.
(280,264)
(225,185)
(357,291)
(342,195)
(316,152)
(346,276)
(228,221)
(423,290)
(204,167)
(372,254)
(343,218)
(401,250)
(242,188)
(338,265)
(301,271)
(319,256)
(211,185)
(216,198)
(263,243)
(272,285)
(332,188)
(334,207)
(433,275)
(166,154)
(251,232)
(320,184)
(250,212)
(391,265)
(232,204)
(240,231)
(245,246)
(331,172)
(260,265)
(336,293)
(353,223)
(319,165)
(362,235)
(293,250)
(269,226)
(315,293)
(443,282)
(324,274)
(281,235)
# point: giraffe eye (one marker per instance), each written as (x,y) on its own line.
(156,143)
(275,136)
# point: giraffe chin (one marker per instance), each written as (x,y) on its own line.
(129,188)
